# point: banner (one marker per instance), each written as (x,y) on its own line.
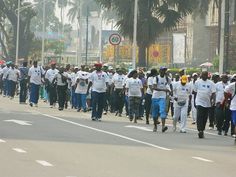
(179,46)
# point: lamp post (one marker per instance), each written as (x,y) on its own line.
(135,34)
(43,38)
(17,33)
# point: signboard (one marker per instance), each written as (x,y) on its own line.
(115,39)
(179,46)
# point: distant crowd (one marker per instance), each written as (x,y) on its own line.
(136,94)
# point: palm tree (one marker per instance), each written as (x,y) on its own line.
(74,11)
(155,17)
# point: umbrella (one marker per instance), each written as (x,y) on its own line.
(207,64)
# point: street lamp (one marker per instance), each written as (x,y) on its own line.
(18,30)
(135,34)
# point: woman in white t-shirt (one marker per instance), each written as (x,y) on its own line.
(134,87)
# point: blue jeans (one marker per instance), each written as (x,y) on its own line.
(12,88)
(82,101)
(34,93)
(74,98)
(159,108)
(98,103)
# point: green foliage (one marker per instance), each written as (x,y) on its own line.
(216,62)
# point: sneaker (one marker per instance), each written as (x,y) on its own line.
(219,133)
(201,134)
(164,129)
(31,104)
(183,131)
(155,129)
(211,128)
(93,118)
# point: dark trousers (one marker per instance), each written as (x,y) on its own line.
(34,93)
(202,115)
(134,103)
(148,104)
(98,102)
(211,115)
(119,100)
(223,118)
(23,91)
(127,105)
(6,87)
(52,94)
(12,88)
(61,91)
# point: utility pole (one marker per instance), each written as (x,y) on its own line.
(222,38)
(17,33)
(135,34)
(227,34)
(87,24)
(43,39)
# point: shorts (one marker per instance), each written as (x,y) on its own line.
(159,108)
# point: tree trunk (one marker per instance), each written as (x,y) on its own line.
(142,56)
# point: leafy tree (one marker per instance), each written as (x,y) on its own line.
(8,10)
(154,17)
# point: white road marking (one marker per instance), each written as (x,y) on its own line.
(2,141)
(202,159)
(19,150)
(139,127)
(109,133)
(44,163)
(20,122)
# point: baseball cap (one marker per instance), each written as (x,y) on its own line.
(194,74)
(184,79)
(98,64)
(163,68)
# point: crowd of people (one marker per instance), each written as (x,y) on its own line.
(136,94)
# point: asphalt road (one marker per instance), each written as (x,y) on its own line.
(43,142)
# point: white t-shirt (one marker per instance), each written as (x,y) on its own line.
(36,75)
(50,74)
(134,87)
(118,81)
(110,76)
(220,87)
(149,84)
(162,84)
(99,80)
(231,90)
(182,92)
(82,85)
(13,74)
(58,77)
(204,91)
(4,71)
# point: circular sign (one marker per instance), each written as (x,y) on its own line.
(115,39)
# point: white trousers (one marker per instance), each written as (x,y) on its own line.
(194,111)
(182,112)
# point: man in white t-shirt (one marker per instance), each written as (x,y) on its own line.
(74,97)
(181,94)
(99,83)
(49,76)
(117,85)
(148,96)
(204,96)
(12,76)
(35,74)
(230,96)
(5,79)
(161,87)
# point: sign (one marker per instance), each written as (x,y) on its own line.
(115,39)
(179,47)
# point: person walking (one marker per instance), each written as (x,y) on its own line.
(99,83)
(118,81)
(61,84)
(134,88)
(23,82)
(36,74)
(193,108)
(159,97)
(12,76)
(148,96)
(5,79)
(204,97)
(49,76)
(181,94)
